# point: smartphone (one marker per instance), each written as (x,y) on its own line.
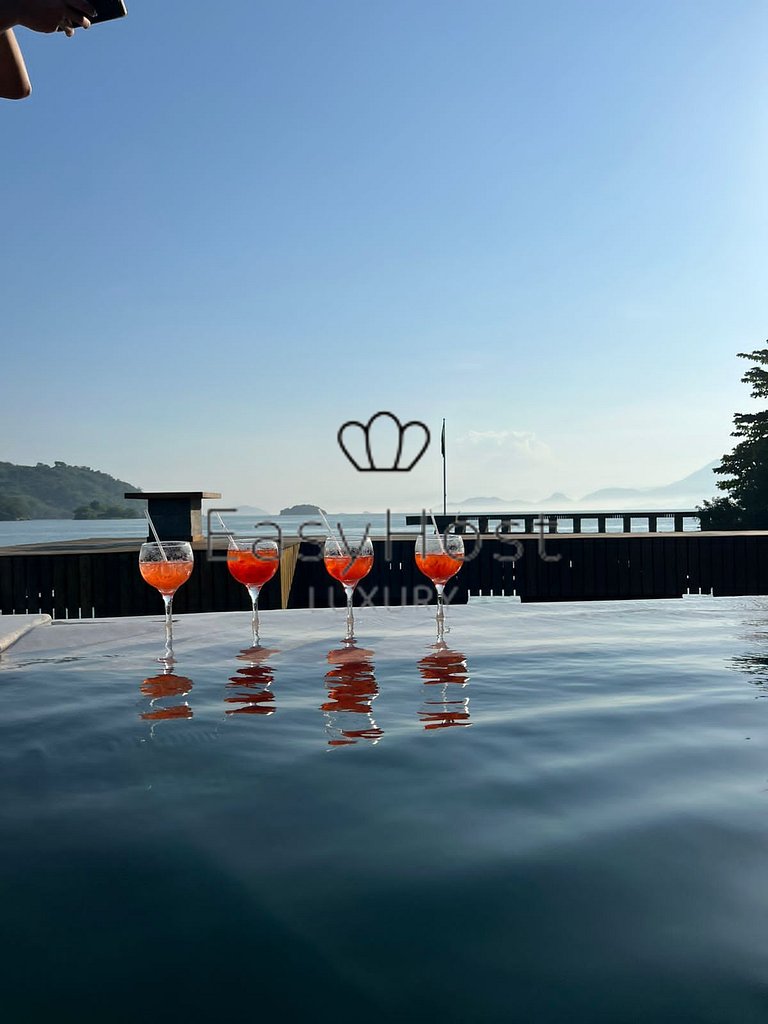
(108,10)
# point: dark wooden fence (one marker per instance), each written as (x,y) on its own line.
(108,583)
(626,567)
(532,522)
(580,568)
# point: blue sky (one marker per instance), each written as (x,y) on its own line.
(223,237)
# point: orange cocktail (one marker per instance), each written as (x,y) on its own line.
(166,577)
(348,569)
(439,557)
(253,563)
(437,566)
(348,563)
(250,569)
(165,565)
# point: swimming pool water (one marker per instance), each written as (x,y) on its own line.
(562,816)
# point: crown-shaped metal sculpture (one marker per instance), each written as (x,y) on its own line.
(388,462)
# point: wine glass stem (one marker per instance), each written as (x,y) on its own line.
(168,602)
(254,592)
(349,591)
(440,587)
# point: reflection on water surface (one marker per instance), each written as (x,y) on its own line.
(166,684)
(445,668)
(352,689)
(593,851)
(253,682)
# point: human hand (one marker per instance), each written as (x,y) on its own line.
(55,15)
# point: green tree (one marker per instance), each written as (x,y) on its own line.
(13,507)
(746,504)
(101,510)
(51,492)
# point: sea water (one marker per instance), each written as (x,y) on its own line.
(43,531)
(563,820)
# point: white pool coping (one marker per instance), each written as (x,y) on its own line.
(13,627)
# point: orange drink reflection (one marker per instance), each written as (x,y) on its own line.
(254,696)
(446,668)
(352,688)
(167,684)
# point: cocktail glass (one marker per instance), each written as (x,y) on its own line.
(439,557)
(348,562)
(165,566)
(253,563)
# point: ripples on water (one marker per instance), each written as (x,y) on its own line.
(557,815)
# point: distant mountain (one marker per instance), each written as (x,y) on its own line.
(686,493)
(558,498)
(485,504)
(703,480)
(63,492)
(252,510)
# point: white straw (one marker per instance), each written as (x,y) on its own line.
(154,534)
(439,535)
(328,528)
(228,532)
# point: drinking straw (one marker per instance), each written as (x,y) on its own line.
(439,535)
(228,532)
(154,534)
(328,528)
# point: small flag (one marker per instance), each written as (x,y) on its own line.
(442,440)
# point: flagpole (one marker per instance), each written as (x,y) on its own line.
(442,449)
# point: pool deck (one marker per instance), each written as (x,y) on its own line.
(14,627)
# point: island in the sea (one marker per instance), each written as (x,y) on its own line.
(62,492)
(302,510)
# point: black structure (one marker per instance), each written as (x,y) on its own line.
(486,522)
(106,582)
(177,515)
